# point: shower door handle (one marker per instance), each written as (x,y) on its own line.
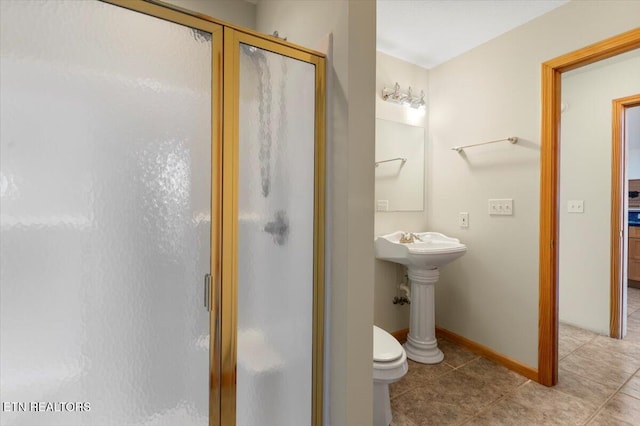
(207,292)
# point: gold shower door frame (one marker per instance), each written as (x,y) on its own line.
(232,40)
(226,39)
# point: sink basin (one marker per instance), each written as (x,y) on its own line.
(429,250)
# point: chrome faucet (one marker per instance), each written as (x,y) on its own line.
(409,237)
(406,238)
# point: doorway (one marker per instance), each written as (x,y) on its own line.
(551,82)
(622,230)
(589,180)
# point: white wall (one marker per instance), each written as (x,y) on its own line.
(493,91)
(238,12)
(585,174)
(633,143)
(390,70)
(350,158)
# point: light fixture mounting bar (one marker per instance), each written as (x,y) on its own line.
(407,98)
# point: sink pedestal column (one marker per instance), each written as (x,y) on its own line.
(422,345)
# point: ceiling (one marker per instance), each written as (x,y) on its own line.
(430,32)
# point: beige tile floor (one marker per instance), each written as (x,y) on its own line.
(599,384)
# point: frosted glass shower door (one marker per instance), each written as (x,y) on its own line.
(278,318)
(106,194)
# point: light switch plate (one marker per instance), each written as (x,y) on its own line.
(501,207)
(463,219)
(382,205)
(575,206)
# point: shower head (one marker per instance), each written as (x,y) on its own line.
(251,50)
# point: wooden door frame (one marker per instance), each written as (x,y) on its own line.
(618,185)
(549,189)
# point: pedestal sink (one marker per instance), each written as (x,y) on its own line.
(423,254)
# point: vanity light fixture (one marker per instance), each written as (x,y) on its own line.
(397,96)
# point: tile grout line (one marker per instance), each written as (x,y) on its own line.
(493,403)
(453,368)
(580,346)
(606,349)
(584,376)
(598,409)
(438,376)
(434,377)
(391,398)
(601,407)
(464,364)
(630,396)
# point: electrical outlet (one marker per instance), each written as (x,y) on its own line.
(382,205)
(502,207)
(463,219)
(575,206)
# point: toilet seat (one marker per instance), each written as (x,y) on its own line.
(389,365)
(385,347)
(389,358)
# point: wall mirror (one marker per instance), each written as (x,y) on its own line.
(399,167)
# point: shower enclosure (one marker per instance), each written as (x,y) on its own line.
(161,219)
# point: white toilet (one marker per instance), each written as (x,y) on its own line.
(389,365)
